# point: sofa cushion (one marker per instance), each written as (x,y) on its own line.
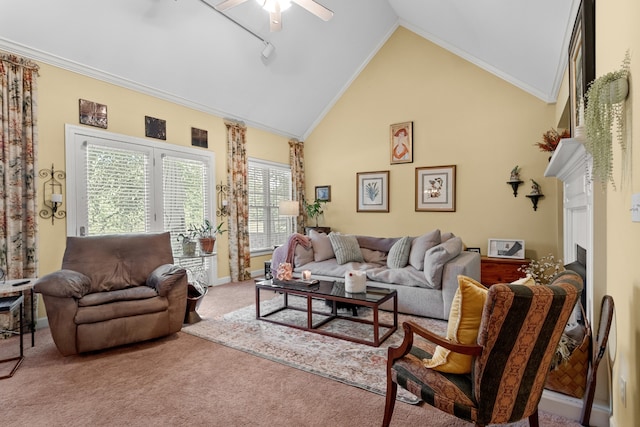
(420,245)
(382,244)
(322,249)
(446,236)
(377,257)
(399,254)
(104,312)
(436,257)
(345,247)
(464,321)
(129,294)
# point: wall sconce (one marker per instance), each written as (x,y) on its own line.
(223,204)
(536,193)
(52,194)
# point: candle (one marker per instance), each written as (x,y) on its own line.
(56,198)
(306,275)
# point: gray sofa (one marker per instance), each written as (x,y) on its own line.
(422,269)
(114,290)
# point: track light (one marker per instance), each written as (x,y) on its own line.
(268,49)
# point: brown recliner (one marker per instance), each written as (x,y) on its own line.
(114,290)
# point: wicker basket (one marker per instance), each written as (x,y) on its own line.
(570,377)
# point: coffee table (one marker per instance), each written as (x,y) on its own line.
(332,291)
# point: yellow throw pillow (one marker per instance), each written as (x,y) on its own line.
(527,281)
(464,322)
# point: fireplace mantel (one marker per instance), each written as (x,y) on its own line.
(570,163)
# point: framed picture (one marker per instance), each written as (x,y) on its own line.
(93,114)
(582,65)
(436,189)
(476,250)
(155,128)
(373,191)
(402,143)
(323,193)
(506,248)
(199,138)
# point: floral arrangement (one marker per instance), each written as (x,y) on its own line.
(551,139)
(543,270)
(284,272)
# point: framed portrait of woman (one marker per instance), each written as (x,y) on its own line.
(402,143)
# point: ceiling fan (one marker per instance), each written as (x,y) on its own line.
(275,8)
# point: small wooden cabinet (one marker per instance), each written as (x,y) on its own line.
(500,270)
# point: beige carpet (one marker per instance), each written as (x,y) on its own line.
(185,380)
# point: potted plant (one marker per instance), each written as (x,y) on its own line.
(207,235)
(551,139)
(314,210)
(605,109)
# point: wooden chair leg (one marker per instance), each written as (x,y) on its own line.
(392,390)
(533,419)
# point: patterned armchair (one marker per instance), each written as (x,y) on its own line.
(519,331)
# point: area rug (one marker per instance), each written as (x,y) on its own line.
(355,364)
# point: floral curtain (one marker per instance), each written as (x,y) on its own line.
(239,251)
(296,161)
(18,138)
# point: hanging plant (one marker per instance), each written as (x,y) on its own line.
(605,108)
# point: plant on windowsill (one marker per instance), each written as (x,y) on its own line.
(605,101)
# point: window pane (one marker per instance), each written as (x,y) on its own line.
(117,190)
(268,185)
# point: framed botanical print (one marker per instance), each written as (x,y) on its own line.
(401,141)
(323,193)
(373,191)
(436,189)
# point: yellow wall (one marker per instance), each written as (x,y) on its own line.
(59,92)
(616,32)
(462,116)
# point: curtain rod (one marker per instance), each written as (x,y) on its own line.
(22,62)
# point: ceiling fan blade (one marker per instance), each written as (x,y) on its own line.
(315,8)
(275,19)
(228,4)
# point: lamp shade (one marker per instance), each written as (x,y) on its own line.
(289,208)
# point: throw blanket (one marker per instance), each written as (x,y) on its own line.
(286,253)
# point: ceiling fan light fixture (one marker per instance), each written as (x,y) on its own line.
(271,5)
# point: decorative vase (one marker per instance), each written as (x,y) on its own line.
(206,244)
(189,247)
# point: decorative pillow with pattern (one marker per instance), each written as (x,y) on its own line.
(345,247)
(399,253)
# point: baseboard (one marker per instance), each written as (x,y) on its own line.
(570,407)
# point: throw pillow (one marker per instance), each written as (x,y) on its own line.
(399,253)
(464,321)
(420,245)
(345,247)
(322,249)
(446,236)
(302,255)
(527,281)
(436,257)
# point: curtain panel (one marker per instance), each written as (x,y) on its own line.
(237,167)
(19,140)
(296,161)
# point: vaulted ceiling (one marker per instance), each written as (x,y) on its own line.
(188,53)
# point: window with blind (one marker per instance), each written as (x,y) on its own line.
(125,185)
(269,184)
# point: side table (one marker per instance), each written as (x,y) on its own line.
(8,305)
(500,270)
(22,285)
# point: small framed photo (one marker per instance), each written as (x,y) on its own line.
(199,138)
(506,248)
(402,143)
(323,193)
(373,191)
(93,114)
(155,128)
(436,189)
(476,250)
